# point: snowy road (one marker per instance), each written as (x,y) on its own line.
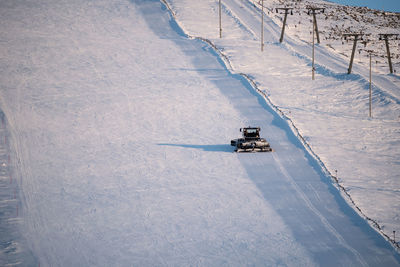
(120,130)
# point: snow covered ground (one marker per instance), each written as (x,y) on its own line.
(331,112)
(118,130)
(13,246)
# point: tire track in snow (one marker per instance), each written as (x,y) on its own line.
(307,201)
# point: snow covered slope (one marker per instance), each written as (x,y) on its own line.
(119,141)
(13,246)
(331,112)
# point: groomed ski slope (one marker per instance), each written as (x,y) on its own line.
(119,130)
(331,112)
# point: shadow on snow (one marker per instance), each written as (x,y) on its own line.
(208,148)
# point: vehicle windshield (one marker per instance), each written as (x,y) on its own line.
(251,131)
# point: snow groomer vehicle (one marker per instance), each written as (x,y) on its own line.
(251,141)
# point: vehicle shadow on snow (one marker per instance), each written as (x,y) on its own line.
(208,148)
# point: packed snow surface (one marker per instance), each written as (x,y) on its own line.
(116,142)
(331,112)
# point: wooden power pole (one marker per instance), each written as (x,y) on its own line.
(314,11)
(286,12)
(262,25)
(386,36)
(370,52)
(220,23)
(355,35)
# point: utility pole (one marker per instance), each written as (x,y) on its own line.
(286,12)
(370,81)
(314,11)
(386,36)
(262,25)
(370,85)
(313,55)
(355,35)
(220,23)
